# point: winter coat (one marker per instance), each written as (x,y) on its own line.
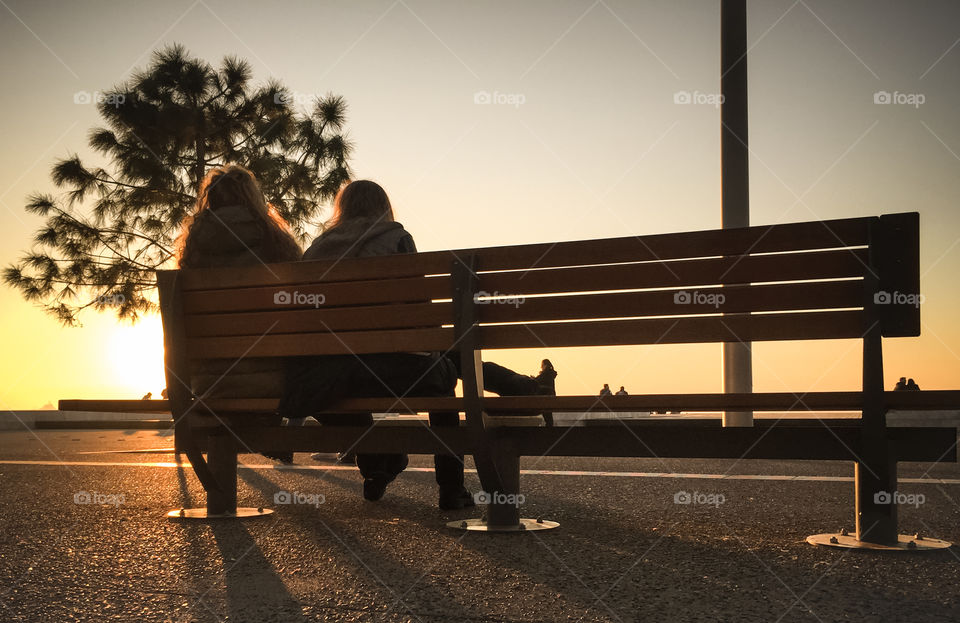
(310,380)
(234,236)
(361,238)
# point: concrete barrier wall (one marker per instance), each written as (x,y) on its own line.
(18,420)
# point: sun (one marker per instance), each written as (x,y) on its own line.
(136,358)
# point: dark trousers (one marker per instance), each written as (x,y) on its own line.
(314,383)
(501,381)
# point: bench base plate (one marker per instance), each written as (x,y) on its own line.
(201,513)
(906,543)
(525,525)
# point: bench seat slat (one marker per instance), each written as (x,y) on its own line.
(761,401)
(817,440)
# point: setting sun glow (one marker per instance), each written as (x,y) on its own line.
(136,357)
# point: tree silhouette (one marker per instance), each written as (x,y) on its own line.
(165,128)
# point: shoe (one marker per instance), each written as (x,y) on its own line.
(376,485)
(374,488)
(456,500)
(284,457)
(546,379)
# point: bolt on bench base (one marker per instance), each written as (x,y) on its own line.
(245,512)
(525,525)
(905,543)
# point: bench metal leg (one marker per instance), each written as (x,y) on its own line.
(876,488)
(222,498)
(502,493)
(222,458)
(875,479)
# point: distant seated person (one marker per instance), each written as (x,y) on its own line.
(906,385)
(234,225)
(621,391)
(147,396)
(605,391)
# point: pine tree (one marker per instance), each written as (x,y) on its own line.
(112,226)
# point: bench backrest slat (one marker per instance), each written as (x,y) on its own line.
(731,328)
(841,233)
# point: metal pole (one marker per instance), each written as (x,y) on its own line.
(735,176)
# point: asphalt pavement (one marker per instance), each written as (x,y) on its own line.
(83,537)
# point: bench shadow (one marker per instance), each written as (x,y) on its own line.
(254,588)
(348,538)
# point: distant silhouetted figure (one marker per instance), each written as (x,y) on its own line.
(905,384)
(163,393)
(147,396)
(621,391)
(606,390)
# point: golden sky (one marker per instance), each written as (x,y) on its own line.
(586,136)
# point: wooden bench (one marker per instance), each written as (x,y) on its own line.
(803,281)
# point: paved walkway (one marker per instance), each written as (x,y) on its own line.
(83,538)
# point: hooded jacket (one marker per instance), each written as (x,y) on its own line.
(361,238)
(310,380)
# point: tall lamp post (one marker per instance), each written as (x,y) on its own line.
(735,177)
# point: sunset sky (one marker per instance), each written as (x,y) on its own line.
(585,136)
